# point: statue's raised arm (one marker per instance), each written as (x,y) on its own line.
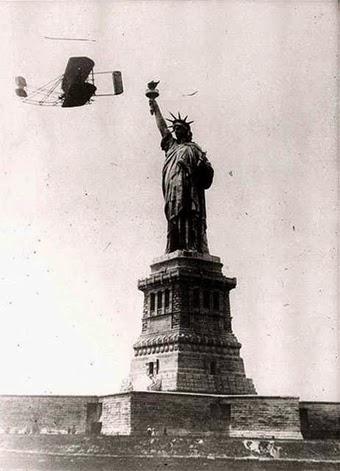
(152,93)
(160,121)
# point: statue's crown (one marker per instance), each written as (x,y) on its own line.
(179,120)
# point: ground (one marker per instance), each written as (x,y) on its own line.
(70,453)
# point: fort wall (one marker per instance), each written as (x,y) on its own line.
(320,420)
(171,413)
(44,414)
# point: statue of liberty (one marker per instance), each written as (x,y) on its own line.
(187,173)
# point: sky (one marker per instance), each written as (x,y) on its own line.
(81,209)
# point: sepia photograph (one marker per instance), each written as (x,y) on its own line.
(169,235)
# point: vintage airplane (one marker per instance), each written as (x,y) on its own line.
(75,87)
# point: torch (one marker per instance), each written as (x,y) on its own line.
(152,93)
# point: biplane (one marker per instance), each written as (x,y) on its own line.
(76,87)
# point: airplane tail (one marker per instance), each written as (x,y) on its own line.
(117,82)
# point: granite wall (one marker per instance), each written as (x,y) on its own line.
(186,414)
(46,414)
(116,414)
(170,413)
(320,420)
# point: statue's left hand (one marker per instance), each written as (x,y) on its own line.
(202,160)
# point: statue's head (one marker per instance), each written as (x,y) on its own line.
(181,128)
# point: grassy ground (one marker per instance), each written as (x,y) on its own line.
(76,452)
(58,463)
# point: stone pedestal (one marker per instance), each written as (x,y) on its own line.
(201,415)
(187,343)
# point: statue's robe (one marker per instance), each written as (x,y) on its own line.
(186,174)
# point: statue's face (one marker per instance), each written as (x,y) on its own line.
(181,132)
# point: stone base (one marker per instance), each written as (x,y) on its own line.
(181,414)
(187,343)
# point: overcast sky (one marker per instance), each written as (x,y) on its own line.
(81,206)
